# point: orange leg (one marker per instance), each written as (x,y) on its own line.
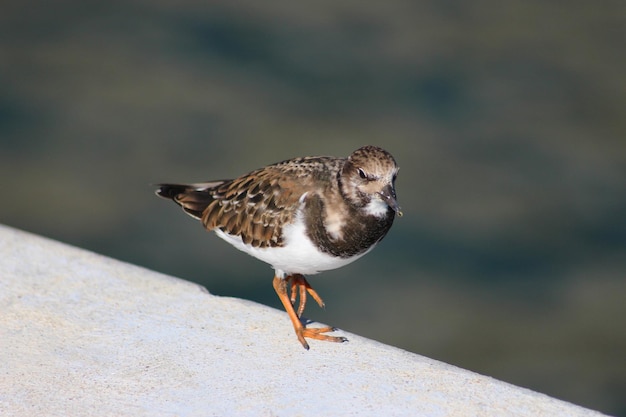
(302,286)
(280,286)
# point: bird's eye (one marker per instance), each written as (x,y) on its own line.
(362,173)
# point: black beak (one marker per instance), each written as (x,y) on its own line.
(389,196)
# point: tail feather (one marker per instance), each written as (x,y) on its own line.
(193,198)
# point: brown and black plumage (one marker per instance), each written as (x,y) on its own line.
(302,216)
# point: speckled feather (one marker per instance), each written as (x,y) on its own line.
(257,206)
(301,216)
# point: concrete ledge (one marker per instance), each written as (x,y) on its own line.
(82,334)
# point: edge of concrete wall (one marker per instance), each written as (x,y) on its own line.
(83,334)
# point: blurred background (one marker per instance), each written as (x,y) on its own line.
(507,119)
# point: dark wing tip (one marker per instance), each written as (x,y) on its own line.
(192,198)
(170,191)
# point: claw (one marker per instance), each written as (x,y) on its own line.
(300,286)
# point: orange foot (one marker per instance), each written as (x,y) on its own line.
(300,286)
(299,283)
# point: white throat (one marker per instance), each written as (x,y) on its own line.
(376,207)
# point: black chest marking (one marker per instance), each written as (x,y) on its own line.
(358,234)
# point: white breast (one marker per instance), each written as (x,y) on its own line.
(298,255)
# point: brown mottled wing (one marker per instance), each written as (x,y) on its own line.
(253,207)
(256,206)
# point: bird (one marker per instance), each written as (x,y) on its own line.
(301,216)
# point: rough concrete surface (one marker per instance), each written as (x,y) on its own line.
(86,335)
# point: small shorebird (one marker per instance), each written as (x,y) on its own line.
(302,216)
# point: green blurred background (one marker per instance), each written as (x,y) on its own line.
(507,119)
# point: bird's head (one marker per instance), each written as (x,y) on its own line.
(368,180)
